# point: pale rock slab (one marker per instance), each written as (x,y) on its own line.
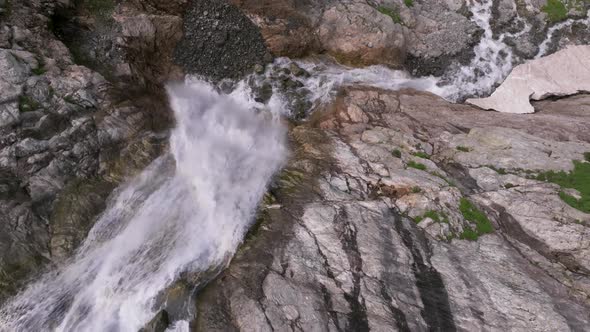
(564,73)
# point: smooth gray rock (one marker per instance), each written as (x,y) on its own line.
(342,248)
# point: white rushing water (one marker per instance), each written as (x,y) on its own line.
(567,24)
(186,212)
(492,62)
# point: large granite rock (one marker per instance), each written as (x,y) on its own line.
(564,73)
(365,229)
(358,34)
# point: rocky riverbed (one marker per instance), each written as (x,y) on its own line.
(397,209)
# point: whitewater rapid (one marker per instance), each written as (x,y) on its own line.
(187,212)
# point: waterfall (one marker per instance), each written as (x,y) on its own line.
(188,211)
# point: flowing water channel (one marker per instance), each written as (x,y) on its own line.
(187,211)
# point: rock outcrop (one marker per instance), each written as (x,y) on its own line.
(361,33)
(378,223)
(564,73)
(358,34)
(67,138)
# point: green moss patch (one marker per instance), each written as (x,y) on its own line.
(409,3)
(578,179)
(396,153)
(413,164)
(421,154)
(463,148)
(556,10)
(472,214)
(439,217)
(501,171)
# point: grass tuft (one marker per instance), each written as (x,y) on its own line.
(578,179)
(413,164)
(556,10)
(501,171)
(421,154)
(473,214)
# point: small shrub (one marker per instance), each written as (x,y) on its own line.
(393,13)
(421,154)
(509,185)
(463,148)
(413,164)
(556,10)
(587,156)
(396,153)
(416,190)
(409,3)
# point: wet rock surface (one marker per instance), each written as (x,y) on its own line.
(65,132)
(368,226)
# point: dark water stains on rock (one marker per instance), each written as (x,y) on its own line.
(437,310)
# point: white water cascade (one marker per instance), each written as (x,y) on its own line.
(567,24)
(187,211)
(493,59)
(492,62)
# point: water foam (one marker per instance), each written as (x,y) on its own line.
(187,211)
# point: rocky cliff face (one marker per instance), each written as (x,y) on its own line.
(397,211)
(379,223)
(68,137)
